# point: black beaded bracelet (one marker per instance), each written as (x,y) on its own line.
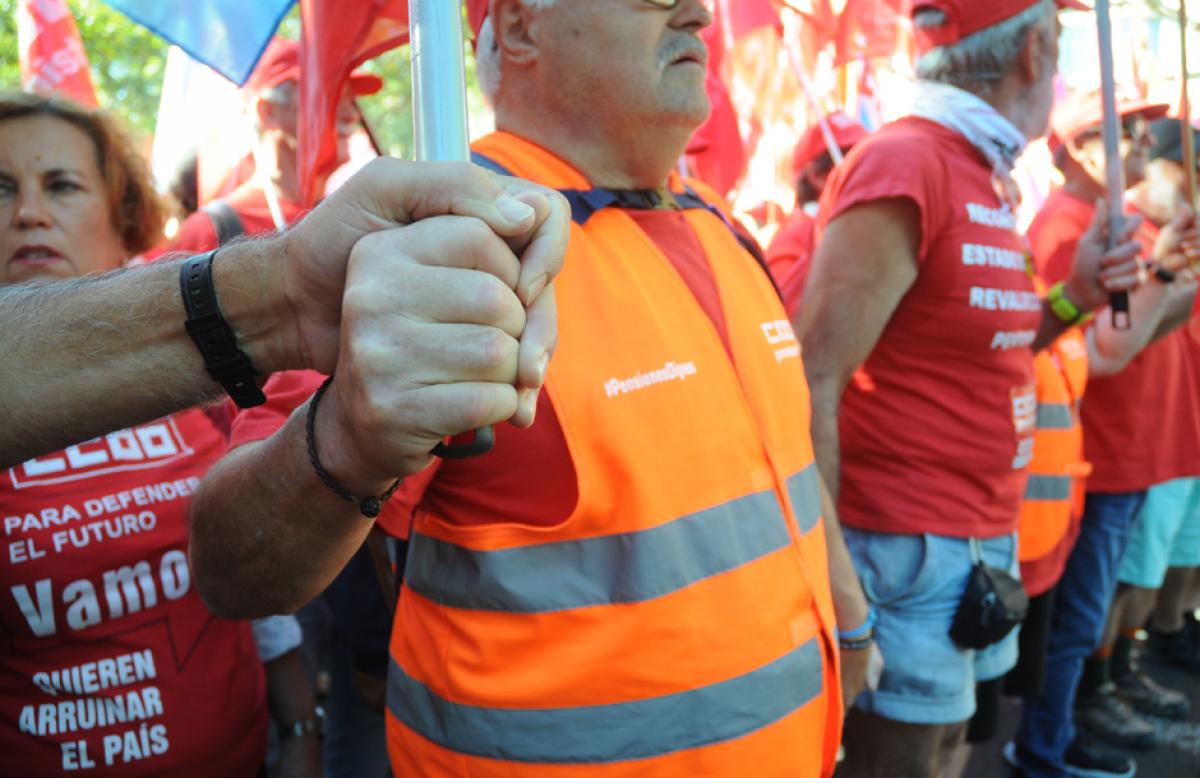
(223,358)
(369,506)
(858,644)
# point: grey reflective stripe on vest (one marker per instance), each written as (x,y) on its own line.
(1055,416)
(1048,487)
(598,734)
(612,569)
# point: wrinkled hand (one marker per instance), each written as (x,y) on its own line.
(445,327)
(1178,244)
(1098,271)
(390,193)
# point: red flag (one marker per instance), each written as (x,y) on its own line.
(868,28)
(819,28)
(746,16)
(337,36)
(52,56)
(717,151)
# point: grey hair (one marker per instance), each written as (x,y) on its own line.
(487,52)
(980,60)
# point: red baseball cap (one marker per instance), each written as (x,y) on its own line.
(280,62)
(1079,112)
(477,11)
(846,132)
(966,17)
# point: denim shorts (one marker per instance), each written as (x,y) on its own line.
(916,583)
(1165,534)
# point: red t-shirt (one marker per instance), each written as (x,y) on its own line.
(1142,426)
(789,255)
(498,487)
(936,431)
(110,662)
(1055,232)
(197,233)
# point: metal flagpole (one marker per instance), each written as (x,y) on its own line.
(440,119)
(1185,110)
(791,34)
(1118,301)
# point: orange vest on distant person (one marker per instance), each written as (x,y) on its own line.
(679,622)
(1056,474)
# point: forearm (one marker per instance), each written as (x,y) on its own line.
(89,356)
(289,692)
(267,534)
(1181,301)
(1110,349)
(849,601)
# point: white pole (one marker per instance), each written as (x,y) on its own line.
(1114,169)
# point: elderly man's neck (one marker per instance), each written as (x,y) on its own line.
(1011,100)
(610,157)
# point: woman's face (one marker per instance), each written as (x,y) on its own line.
(55,219)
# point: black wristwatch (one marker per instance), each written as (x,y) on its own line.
(313,725)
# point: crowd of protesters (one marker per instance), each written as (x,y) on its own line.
(777,513)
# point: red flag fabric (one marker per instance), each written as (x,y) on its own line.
(819,29)
(717,151)
(868,28)
(337,36)
(746,16)
(53,60)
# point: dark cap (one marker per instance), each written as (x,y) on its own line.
(1168,140)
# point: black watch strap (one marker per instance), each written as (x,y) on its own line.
(223,359)
(1164,275)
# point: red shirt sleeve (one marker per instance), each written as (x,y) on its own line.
(195,235)
(895,165)
(1055,232)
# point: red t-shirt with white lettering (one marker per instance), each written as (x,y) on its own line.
(1142,426)
(936,430)
(110,664)
(528,477)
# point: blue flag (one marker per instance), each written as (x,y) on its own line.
(227,35)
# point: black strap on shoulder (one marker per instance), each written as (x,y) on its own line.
(586,202)
(226,222)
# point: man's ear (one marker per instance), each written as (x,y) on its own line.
(1036,54)
(515,32)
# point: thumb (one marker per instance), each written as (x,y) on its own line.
(1098,227)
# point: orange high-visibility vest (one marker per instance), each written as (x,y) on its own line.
(679,622)
(1055,489)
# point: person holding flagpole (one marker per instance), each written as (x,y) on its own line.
(919,322)
(646,581)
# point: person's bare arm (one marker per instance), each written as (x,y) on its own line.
(443,330)
(84,357)
(88,356)
(864,266)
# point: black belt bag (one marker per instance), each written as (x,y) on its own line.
(993,604)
